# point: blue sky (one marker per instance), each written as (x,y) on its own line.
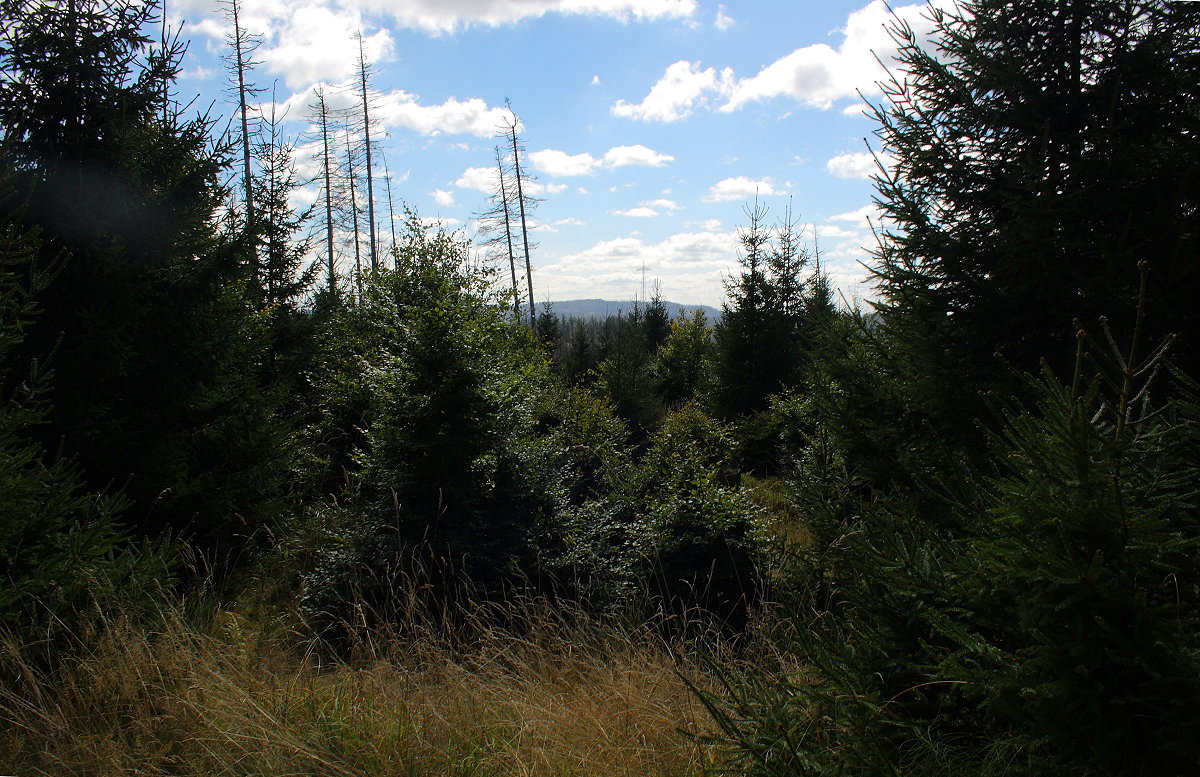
(649,124)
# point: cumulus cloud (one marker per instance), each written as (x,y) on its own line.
(677,93)
(316,42)
(479,178)
(739,188)
(399,108)
(856,165)
(690,266)
(438,221)
(443,197)
(859,215)
(650,209)
(472,116)
(560,164)
(441,16)
(817,75)
(845,241)
(537,188)
(620,156)
(723,21)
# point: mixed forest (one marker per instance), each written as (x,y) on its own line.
(259,518)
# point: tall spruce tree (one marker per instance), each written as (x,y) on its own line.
(753,337)
(1043,150)
(146,318)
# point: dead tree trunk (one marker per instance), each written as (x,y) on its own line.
(516,152)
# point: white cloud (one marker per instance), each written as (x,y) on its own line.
(569,221)
(708,225)
(595,79)
(858,216)
(856,165)
(650,209)
(683,86)
(620,156)
(399,108)
(314,42)
(723,21)
(641,212)
(471,116)
(740,188)
(484,179)
(537,189)
(479,178)
(835,232)
(690,266)
(438,221)
(443,197)
(817,75)
(436,16)
(561,164)
(440,16)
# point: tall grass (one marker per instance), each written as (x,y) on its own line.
(523,688)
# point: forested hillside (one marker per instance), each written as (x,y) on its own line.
(260,518)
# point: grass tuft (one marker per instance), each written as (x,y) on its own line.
(522,689)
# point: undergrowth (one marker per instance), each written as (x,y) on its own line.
(524,688)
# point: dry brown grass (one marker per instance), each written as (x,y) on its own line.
(555,695)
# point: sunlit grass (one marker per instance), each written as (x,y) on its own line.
(524,689)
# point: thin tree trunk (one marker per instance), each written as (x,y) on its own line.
(354,217)
(387,177)
(524,226)
(362,72)
(241,79)
(324,117)
(512,260)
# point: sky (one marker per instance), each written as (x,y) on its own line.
(650,126)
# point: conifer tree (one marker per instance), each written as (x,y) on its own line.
(283,277)
(745,367)
(62,548)
(146,318)
(1042,151)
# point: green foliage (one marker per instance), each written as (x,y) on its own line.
(680,367)
(63,548)
(426,403)
(695,530)
(748,368)
(154,353)
(1054,632)
(1042,153)
(771,323)
(1008,591)
(626,371)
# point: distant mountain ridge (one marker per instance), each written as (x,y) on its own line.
(601,308)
